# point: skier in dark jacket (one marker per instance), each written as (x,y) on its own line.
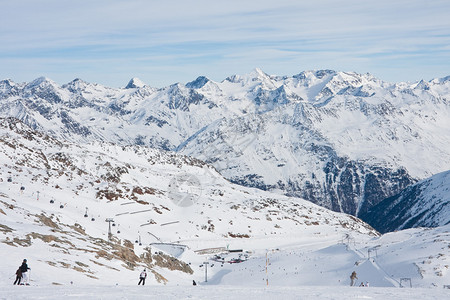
(18,276)
(24,268)
(352,278)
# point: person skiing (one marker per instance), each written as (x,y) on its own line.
(18,276)
(142,277)
(193,282)
(24,269)
(353,277)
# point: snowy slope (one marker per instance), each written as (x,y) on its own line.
(174,213)
(342,140)
(221,292)
(56,196)
(424,204)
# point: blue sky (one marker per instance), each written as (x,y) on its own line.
(163,42)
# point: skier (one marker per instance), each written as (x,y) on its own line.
(353,277)
(142,277)
(193,282)
(18,276)
(24,268)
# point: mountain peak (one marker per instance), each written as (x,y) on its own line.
(422,85)
(6,84)
(197,83)
(442,80)
(40,81)
(258,73)
(135,83)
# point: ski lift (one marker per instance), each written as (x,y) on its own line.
(52,201)
(61,206)
(9,179)
(113,224)
(92,219)
(22,188)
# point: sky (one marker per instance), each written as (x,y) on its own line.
(164,42)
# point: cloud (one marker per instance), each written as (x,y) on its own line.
(180,40)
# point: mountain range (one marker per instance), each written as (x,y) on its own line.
(343,140)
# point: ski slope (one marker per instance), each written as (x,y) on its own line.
(218,292)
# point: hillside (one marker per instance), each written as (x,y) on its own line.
(424,204)
(55,198)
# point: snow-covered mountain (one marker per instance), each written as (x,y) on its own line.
(342,140)
(171,214)
(56,196)
(424,204)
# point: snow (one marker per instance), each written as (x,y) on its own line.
(135,83)
(310,250)
(286,118)
(216,292)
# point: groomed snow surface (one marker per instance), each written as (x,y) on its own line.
(217,292)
